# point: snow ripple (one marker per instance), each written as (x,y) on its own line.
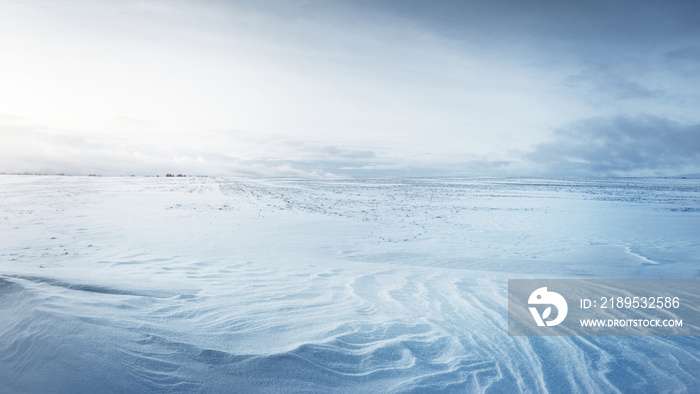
(329,285)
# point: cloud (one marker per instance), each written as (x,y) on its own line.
(334,151)
(686,60)
(26,146)
(613,80)
(687,53)
(398,87)
(620,145)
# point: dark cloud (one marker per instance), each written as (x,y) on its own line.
(620,145)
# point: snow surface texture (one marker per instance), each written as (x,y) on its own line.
(341,285)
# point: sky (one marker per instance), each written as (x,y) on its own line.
(350,88)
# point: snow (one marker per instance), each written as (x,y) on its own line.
(140,284)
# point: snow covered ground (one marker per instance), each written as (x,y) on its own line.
(344,285)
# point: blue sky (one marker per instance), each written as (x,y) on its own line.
(360,88)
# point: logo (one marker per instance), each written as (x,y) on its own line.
(543,297)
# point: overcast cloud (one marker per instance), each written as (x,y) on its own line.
(350,87)
(622,145)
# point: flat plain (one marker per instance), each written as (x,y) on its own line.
(204,284)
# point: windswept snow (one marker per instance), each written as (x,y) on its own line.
(343,285)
